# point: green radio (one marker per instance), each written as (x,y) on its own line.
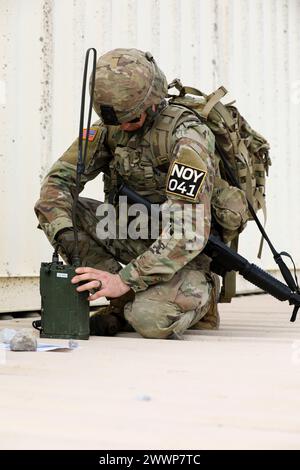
(64,311)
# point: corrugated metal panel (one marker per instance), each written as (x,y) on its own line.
(249,46)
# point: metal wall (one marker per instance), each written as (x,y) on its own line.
(249,46)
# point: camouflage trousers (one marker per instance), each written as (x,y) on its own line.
(188,300)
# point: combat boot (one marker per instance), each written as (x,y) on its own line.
(211,319)
(109,320)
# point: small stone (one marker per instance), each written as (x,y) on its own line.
(23,341)
(6,335)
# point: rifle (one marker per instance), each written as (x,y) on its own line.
(225,259)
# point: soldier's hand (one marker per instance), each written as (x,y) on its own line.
(107,284)
(66,241)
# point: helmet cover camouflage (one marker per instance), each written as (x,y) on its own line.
(127,82)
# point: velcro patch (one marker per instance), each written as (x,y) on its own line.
(92,134)
(185,181)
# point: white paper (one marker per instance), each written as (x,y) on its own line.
(42,347)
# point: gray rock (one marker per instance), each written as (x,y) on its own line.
(6,335)
(73,344)
(23,341)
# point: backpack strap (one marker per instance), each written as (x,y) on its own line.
(228,290)
(183,90)
(262,202)
(212,100)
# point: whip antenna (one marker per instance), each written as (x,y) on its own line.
(82,154)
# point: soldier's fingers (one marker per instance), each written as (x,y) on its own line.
(105,292)
(88,286)
(84,277)
(97,295)
(88,270)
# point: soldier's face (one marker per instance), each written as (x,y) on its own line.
(134,126)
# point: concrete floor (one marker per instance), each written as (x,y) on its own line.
(236,388)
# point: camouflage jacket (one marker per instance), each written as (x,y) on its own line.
(187,180)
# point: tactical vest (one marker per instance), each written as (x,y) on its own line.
(142,161)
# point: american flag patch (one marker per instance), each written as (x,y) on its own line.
(92,134)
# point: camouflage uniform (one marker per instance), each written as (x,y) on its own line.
(173,286)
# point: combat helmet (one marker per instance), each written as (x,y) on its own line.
(128,81)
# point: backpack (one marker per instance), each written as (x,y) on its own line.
(243,163)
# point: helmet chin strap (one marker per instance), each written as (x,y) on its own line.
(150,112)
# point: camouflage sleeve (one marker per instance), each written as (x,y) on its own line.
(189,189)
(54,207)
